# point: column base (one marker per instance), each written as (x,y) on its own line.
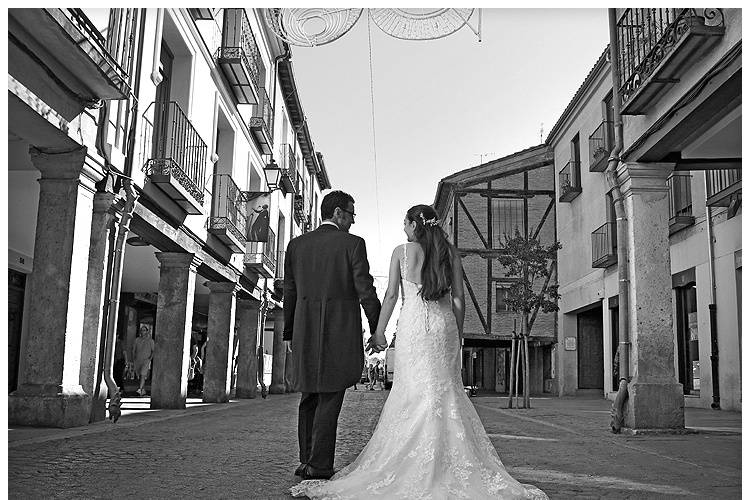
(277,389)
(246,393)
(167,401)
(99,403)
(45,406)
(655,406)
(215,398)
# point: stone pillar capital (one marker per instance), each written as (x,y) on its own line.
(223,287)
(104,201)
(64,165)
(636,178)
(247,304)
(178,260)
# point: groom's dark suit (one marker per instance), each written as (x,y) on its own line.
(326,278)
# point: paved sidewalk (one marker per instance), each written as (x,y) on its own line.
(247,449)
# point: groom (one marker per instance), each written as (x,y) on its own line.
(326,278)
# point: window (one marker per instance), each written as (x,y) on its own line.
(507,216)
(501,296)
(575,159)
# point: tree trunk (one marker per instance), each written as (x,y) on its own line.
(526,385)
(518,362)
(512,372)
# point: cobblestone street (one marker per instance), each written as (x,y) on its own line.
(248,449)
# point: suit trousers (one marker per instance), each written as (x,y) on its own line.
(316,428)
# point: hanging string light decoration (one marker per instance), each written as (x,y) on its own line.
(420,24)
(310,27)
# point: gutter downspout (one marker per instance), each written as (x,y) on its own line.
(623,278)
(115,259)
(716,404)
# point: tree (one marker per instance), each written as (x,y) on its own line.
(527,262)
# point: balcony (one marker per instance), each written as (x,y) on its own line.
(228,217)
(288,169)
(260,258)
(570,183)
(657,47)
(724,188)
(680,202)
(177,162)
(100,65)
(604,245)
(239,57)
(300,206)
(261,123)
(601,143)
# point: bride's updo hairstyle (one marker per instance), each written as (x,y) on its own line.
(437,274)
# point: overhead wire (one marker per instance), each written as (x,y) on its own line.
(374,141)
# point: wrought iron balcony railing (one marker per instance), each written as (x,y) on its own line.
(288,169)
(604,245)
(724,186)
(601,143)
(98,54)
(300,206)
(657,46)
(261,123)
(228,213)
(177,161)
(239,57)
(570,181)
(260,256)
(680,202)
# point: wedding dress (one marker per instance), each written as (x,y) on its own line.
(429,442)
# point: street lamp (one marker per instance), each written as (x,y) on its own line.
(272,172)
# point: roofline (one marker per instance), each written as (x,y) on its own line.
(578,96)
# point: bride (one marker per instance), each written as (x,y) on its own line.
(429,441)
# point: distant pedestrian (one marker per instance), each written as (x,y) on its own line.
(143,353)
(195,371)
(372,375)
(380,374)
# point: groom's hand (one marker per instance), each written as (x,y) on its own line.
(288,345)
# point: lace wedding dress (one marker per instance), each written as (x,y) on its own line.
(429,442)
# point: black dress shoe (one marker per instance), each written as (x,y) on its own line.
(299,470)
(312,473)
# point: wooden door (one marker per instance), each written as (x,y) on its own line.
(590,350)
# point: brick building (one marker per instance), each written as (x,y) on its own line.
(477,207)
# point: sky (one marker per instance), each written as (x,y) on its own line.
(441,106)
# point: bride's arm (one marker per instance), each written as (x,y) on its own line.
(457,292)
(390,299)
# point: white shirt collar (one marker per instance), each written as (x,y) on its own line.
(331,223)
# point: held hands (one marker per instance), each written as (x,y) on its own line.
(288,345)
(376,343)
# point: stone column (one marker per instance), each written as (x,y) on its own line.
(655,397)
(102,226)
(247,356)
(49,387)
(279,354)
(217,372)
(174,320)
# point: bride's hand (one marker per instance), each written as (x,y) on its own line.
(380,340)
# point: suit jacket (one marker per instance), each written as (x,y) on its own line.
(326,278)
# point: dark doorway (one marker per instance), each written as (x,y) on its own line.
(161,104)
(688,359)
(16,290)
(590,350)
(614,314)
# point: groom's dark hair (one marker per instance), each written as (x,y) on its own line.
(332,200)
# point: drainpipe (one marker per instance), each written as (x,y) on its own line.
(618,406)
(114,292)
(115,258)
(716,404)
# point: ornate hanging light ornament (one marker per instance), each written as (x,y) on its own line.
(313,26)
(420,24)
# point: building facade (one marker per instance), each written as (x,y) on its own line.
(478,207)
(174,124)
(679,173)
